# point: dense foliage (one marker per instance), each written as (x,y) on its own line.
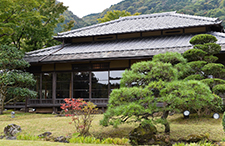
(69,16)
(115,14)
(14,81)
(29,24)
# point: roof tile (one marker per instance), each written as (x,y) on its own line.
(139,47)
(139,23)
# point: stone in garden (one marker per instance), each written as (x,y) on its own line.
(143,135)
(197,138)
(163,139)
(12,130)
(10,138)
(2,136)
(193,138)
(61,139)
(44,134)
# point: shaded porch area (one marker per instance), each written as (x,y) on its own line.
(50,104)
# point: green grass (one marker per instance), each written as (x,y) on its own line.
(39,143)
(35,124)
(194,125)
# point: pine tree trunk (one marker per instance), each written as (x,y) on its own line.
(166,124)
(2,99)
(1,107)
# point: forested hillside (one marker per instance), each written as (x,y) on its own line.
(68,15)
(208,8)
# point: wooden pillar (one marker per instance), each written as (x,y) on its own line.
(109,83)
(53,90)
(71,86)
(90,85)
(40,91)
(129,63)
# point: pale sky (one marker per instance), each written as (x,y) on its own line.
(84,7)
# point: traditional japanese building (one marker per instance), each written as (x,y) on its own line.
(90,62)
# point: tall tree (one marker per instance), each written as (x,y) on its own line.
(115,14)
(14,81)
(29,24)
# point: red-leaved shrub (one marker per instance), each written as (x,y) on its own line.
(81,113)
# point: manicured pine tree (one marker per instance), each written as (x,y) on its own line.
(14,81)
(168,79)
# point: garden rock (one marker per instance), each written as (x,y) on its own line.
(12,129)
(61,139)
(192,138)
(10,138)
(2,136)
(143,135)
(163,139)
(46,134)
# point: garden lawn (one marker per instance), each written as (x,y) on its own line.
(39,143)
(35,124)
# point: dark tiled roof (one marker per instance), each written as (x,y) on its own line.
(151,22)
(140,47)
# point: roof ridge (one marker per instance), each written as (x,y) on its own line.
(197,17)
(45,49)
(148,15)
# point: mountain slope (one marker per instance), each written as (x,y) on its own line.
(209,8)
(70,16)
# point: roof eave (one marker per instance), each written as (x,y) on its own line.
(60,38)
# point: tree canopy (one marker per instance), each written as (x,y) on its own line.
(14,81)
(115,14)
(29,24)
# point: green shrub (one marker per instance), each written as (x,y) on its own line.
(179,144)
(169,57)
(116,141)
(107,141)
(194,54)
(219,89)
(27,137)
(92,140)
(202,39)
(223,121)
(194,77)
(194,144)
